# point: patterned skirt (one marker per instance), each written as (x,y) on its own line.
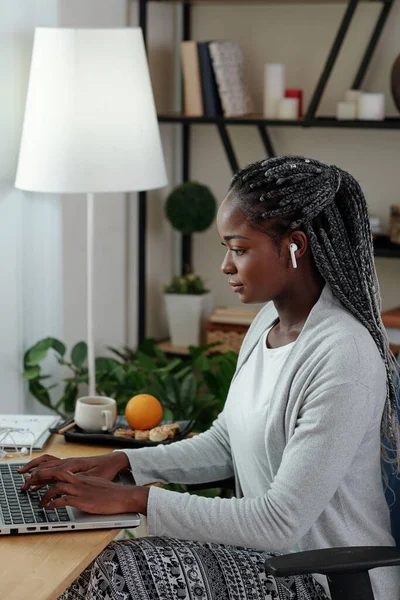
(160,568)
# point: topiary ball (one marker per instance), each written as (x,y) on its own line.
(191,207)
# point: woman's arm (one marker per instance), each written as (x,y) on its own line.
(205,457)
(316,459)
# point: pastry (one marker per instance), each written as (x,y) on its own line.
(170,429)
(126,433)
(158,434)
(142,434)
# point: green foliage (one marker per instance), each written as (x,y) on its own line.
(188,388)
(33,373)
(191,207)
(186,284)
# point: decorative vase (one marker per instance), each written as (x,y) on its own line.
(187,315)
(395,82)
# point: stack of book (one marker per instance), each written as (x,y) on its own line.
(228,326)
(213,79)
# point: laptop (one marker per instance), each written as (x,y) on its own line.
(20,511)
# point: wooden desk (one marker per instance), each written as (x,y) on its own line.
(41,566)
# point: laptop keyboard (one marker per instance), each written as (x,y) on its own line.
(18,508)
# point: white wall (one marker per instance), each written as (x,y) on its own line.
(30,225)
(300,37)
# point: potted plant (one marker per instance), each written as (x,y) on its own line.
(192,388)
(188,305)
(190,208)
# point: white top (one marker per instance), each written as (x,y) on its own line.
(251,397)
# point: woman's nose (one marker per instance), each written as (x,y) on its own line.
(227,266)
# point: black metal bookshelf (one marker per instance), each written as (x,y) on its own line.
(311,120)
(384,248)
(388,123)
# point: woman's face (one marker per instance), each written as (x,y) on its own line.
(255,270)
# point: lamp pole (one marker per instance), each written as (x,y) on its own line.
(142,216)
(89,293)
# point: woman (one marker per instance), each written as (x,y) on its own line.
(301,428)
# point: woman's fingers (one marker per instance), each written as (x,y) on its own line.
(32,464)
(90,494)
(44,476)
(62,501)
(39,479)
(59,489)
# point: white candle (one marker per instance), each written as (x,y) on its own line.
(288,108)
(353,96)
(346,111)
(274,88)
(371,107)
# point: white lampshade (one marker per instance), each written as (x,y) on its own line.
(90,121)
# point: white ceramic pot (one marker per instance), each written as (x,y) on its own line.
(187,315)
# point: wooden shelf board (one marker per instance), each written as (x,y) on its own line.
(278,2)
(388,123)
(384,248)
(386,253)
(166,346)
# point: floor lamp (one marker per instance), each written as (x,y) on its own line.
(90,125)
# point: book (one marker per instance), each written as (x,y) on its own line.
(26,430)
(233,316)
(233,310)
(193,99)
(211,100)
(228,66)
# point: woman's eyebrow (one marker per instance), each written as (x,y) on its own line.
(235,237)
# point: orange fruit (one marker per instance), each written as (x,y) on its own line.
(143,411)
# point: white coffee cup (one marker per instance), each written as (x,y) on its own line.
(95,413)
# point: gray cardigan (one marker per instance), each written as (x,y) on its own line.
(322,445)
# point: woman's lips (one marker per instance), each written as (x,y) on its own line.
(236,287)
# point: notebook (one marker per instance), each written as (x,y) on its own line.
(228,65)
(26,430)
(20,511)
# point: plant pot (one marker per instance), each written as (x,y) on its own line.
(187,315)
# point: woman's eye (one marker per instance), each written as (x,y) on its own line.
(238,251)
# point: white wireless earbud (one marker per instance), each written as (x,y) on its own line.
(292,249)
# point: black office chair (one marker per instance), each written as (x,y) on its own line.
(347,569)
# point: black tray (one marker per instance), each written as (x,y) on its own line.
(107,438)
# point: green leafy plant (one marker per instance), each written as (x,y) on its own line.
(186,284)
(216,370)
(190,388)
(33,372)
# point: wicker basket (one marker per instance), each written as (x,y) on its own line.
(230,336)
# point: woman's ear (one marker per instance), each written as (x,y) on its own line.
(300,239)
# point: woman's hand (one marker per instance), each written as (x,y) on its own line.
(45,469)
(94,494)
